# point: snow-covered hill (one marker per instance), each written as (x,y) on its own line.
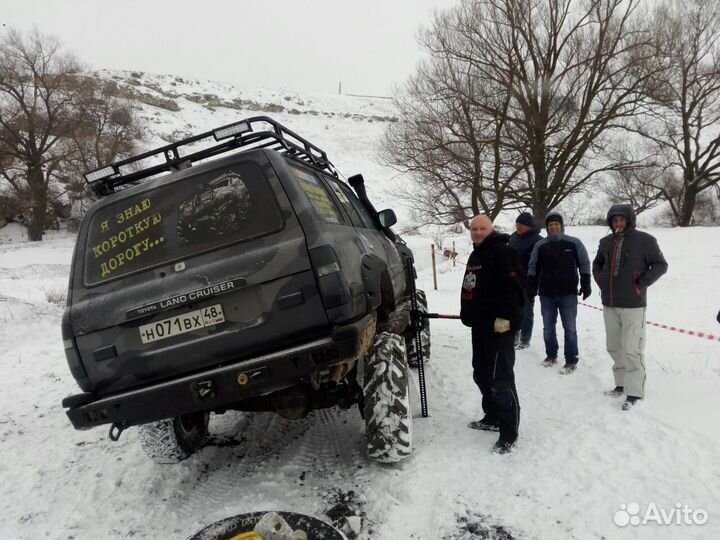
(348,128)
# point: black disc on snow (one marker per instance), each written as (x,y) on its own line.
(228,528)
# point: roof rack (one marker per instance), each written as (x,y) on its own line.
(246,134)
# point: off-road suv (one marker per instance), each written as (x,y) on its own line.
(244,275)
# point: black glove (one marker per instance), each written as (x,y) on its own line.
(532,288)
(585,288)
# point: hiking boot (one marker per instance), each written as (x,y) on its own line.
(550,361)
(484,425)
(568,368)
(522,345)
(630,402)
(615,392)
(502,447)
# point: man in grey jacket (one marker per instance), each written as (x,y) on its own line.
(627,263)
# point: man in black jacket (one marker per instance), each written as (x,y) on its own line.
(627,263)
(491,304)
(523,240)
(553,272)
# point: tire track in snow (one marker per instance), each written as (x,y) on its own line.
(247,450)
(335,441)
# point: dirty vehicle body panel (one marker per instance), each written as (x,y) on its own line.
(252,281)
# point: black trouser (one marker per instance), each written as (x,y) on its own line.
(493,362)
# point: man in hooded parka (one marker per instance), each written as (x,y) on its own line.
(627,263)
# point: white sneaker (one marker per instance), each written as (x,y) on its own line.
(630,402)
(615,392)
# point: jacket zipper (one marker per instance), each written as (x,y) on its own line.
(612,270)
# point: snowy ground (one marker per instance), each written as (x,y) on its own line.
(578,460)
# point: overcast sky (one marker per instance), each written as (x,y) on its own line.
(306,45)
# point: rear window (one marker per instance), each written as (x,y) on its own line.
(176,221)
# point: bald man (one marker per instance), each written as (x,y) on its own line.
(491,303)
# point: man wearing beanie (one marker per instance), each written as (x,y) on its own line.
(628,261)
(523,240)
(553,271)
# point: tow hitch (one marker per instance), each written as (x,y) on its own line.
(116,430)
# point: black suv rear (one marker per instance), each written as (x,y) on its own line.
(248,276)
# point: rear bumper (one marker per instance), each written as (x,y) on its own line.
(220,387)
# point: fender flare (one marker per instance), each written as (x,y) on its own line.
(376,280)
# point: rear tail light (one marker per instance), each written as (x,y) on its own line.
(71,354)
(333,289)
(326,269)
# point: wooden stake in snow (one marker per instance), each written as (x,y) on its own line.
(432,249)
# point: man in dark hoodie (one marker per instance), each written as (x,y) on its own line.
(523,241)
(627,263)
(491,303)
(553,271)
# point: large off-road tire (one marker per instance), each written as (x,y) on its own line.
(424,334)
(174,439)
(388,418)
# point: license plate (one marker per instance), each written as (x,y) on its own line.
(187,322)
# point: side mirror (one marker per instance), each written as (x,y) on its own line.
(387,218)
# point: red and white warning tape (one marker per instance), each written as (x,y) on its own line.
(702,335)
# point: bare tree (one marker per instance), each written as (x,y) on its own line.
(36,91)
(55,123)
(574,71)
(682,123)
(451,147)
(108,129)
(641,182)
(637,186)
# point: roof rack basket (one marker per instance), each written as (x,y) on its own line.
(254,132)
